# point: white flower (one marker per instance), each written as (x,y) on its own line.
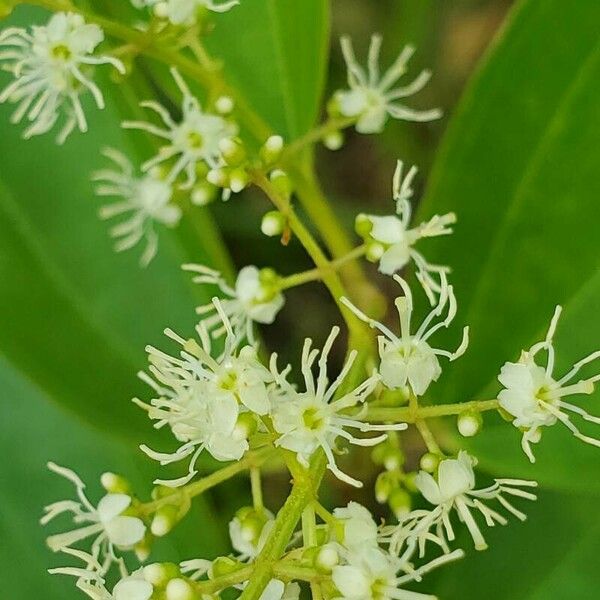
(533,396)
(146,200)
(49,65)
(392,239)
(453,488)
(359,528)
(191,142)
(277,590)
(203,399)
(408,359)
(255,298)
(372,574)
(371,97)
(183,12)
(313,419)
(106,522)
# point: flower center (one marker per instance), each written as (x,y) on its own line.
(195,140)
(61,52)
(313,419)
(228,380)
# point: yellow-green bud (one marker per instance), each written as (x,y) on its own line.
(281,182)
(375,251)
(115,484)
(326,558)
(272,149)
(179,589)
(223,565)
(218,177)
(334,140)
(363,225)
(333,107)
(469,423)
(385,484)
(203,194)
(238,179)
(429,462)
(159,574)
(273,223)
(143,548)
(400,502)
(233,151)
(164,520)
(224,105)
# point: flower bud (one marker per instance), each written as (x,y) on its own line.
(375,251)
(245,426)
(218,177)
(165,518)
(469,423)
(271,149)
(400,502)
(232,151)
(223,565)
(115,484)
(238,180)
(334,140)
(143,548)
(179,589)
(203,194)
(429,462)
(363,225)
(281,182)
(326,558)
(385,484)
(224,105)
(273,223)
(159,574)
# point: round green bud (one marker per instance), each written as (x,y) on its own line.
(400,502)
(232,151)
(238,180)
(273,223)
(375,251)
(218,177)
(363,225)
(165,518)
(429,462)
(203,194)
(334,140)
(115,484)
(159,574)
(281,182)
(272,149)
(224,105)
(326,558)
(469,423)
(179,589)
(385,484)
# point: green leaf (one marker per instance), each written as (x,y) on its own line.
(275,52)
(553,555)
(520,167)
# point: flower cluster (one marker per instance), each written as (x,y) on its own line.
(50,66)
(184,12)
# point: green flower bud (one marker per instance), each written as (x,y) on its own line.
(180,589)
(429,462)
(159,574)
(115,484)
(326,558)
(385,484)
(238,179)
(334,140)
(272,149)
(375,251)
(469,423)
(165,518)
(224,105)
(224,565)
(273,223)
(203,194)
(218,177)
(363,225)
(233,151)
(281,182)
(400,502)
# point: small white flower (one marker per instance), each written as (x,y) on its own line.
(49,65)
(533,396)
(193,141)
(359,528)
(313,419)
(372,574)
(453,488)
(183,12)
(106,522)
(255,298)
(372,97)
(146,200)
(408,359)
(392,236)
(203,398)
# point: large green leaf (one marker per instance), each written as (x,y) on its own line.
(520,167)
(275,52)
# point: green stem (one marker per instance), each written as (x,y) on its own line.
(285,570)
(312,137)
(317,274)
(409,414)
(251,460)
(211,586)
(257,497)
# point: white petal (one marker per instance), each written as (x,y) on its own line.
(111,506)
(125,531)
